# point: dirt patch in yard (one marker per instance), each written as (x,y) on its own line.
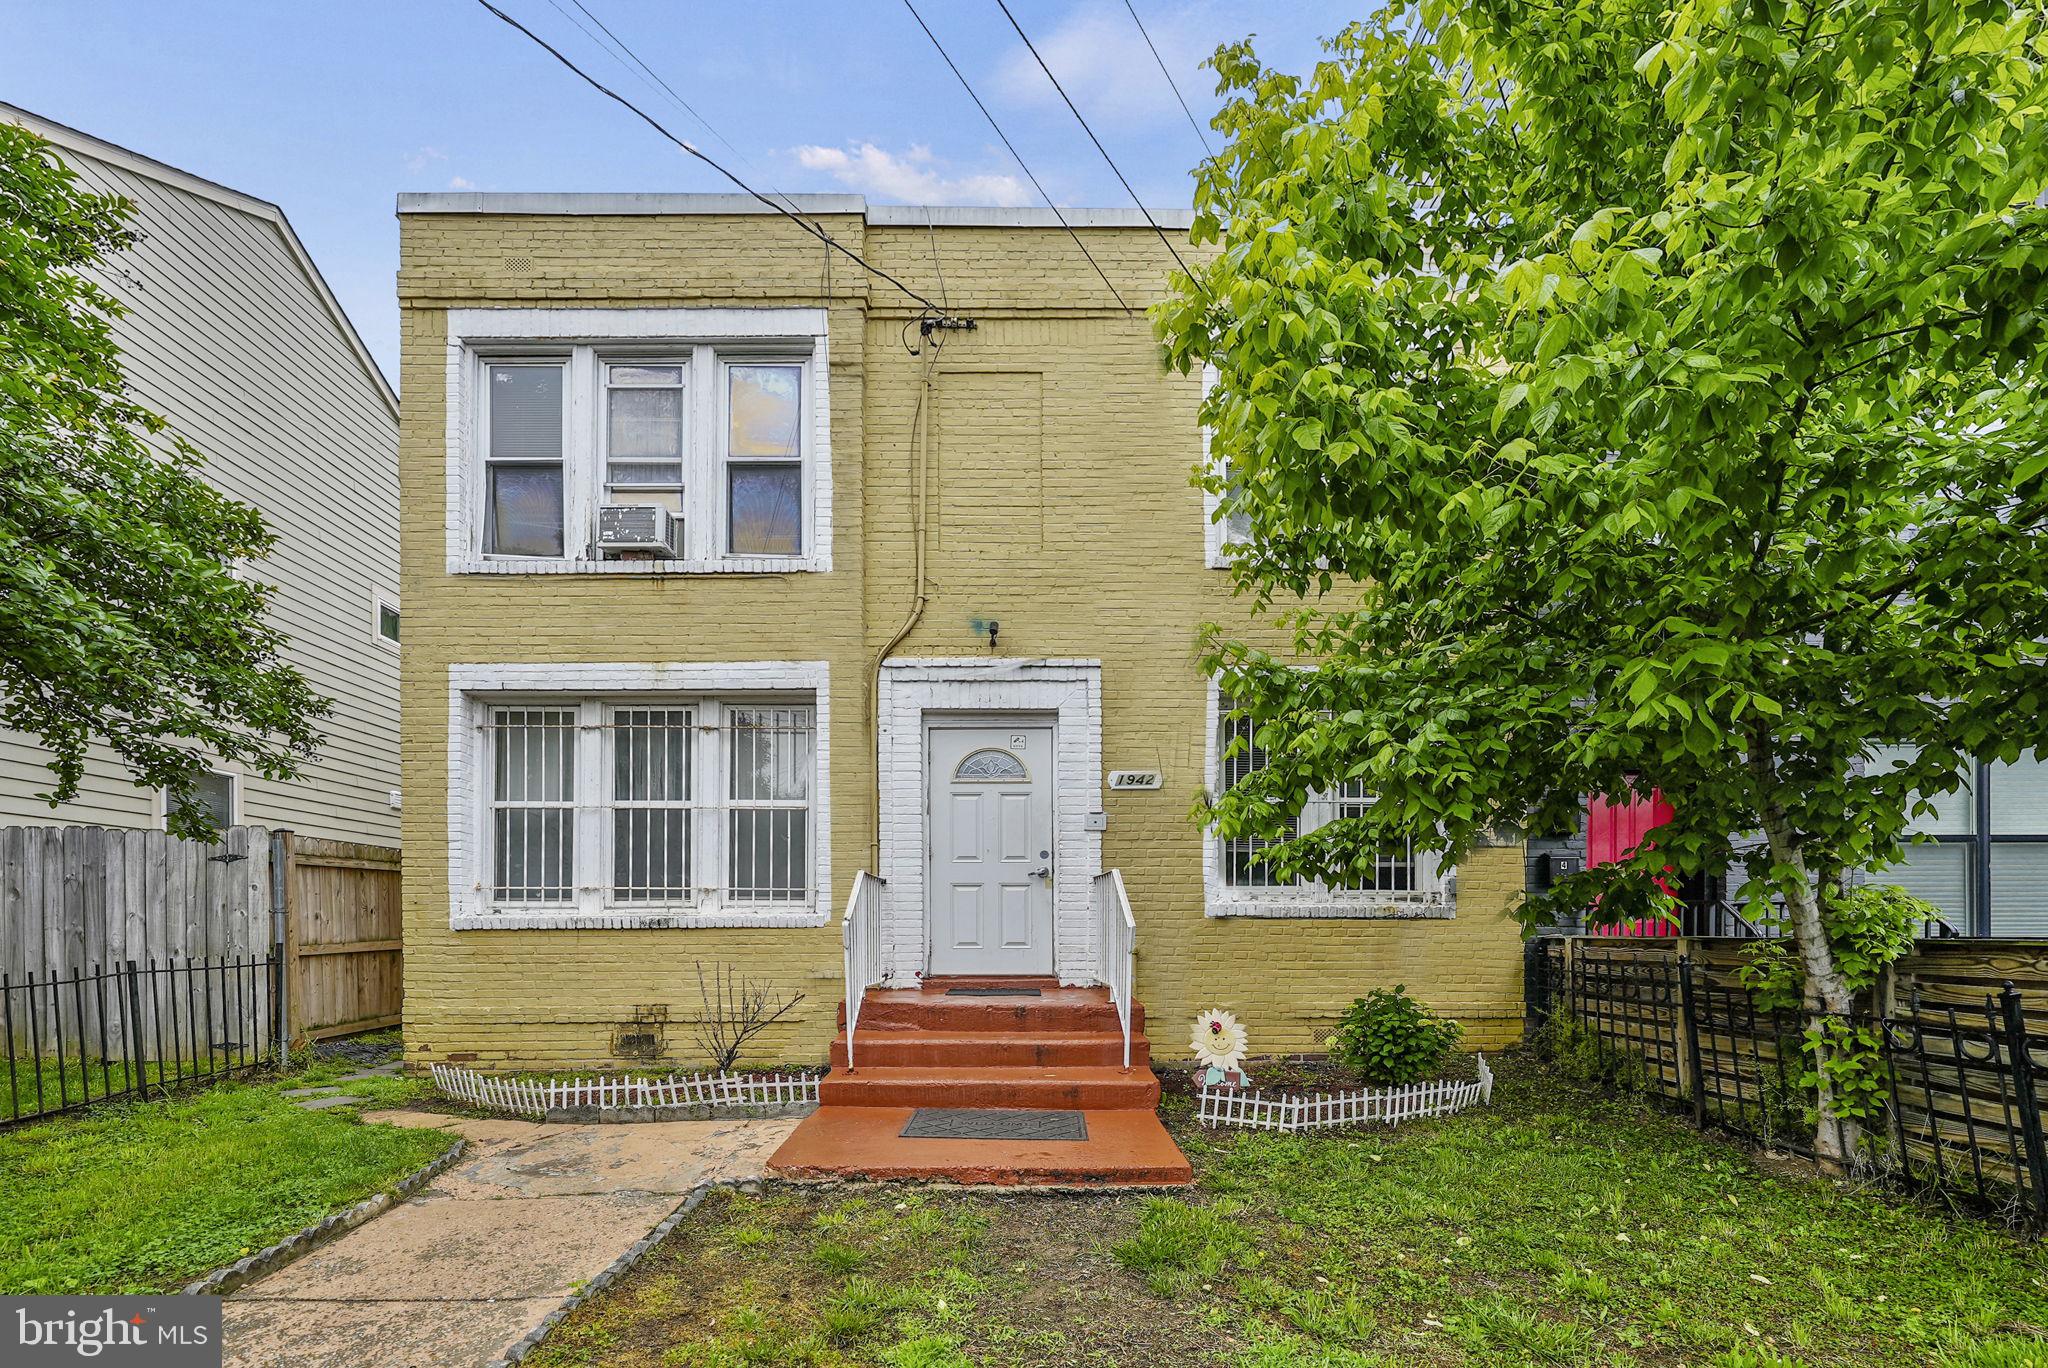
(861,1273)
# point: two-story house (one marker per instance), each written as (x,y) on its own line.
(232,335)
(918,601)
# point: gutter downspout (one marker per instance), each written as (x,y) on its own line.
(921,445)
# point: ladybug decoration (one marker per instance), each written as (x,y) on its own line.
(1219,1043)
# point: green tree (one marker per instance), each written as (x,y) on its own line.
(1627,393)
(122,621)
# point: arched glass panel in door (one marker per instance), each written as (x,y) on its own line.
(992,766)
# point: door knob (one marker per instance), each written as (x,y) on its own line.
(1045,873)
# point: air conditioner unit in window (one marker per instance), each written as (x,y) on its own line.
(640,527)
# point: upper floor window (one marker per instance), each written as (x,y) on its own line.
(604,439)
(1225,526)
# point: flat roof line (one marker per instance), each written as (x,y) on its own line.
(882,215)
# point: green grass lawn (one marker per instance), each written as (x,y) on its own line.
(1558,1226)
(145,1196)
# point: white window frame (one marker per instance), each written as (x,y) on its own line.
(594,690)
(1214,530)
(687,388)
(1433,895)
(379,601)
(585,339)
(481,366)
(235,799)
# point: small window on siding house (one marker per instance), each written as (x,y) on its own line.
(384,619)
(213,793)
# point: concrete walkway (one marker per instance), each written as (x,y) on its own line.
(455,1275)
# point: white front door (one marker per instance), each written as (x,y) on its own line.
(990,875)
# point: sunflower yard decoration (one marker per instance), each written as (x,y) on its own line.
(1219,1042)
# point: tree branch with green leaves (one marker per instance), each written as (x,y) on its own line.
(1667,416)
(123,621)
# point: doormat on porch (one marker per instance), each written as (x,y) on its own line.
(962,1123)
(993,992)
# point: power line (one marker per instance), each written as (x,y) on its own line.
(1016,154)
(809,227)
(1169,78)
(1092,138)
(674,97)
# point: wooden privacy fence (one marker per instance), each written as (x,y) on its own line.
(1964,1060)
(342,946)
(79,901)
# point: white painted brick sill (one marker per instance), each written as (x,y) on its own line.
(1276,909)
(632,921)
(735,565)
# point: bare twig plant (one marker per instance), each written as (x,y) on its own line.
(735,1010)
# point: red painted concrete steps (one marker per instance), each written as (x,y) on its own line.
(1123,1149)
(1059,1050)
(1067,1087)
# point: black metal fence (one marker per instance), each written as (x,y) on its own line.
(76,1040)
(1961,1087)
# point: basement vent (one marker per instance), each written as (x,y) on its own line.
(519,265)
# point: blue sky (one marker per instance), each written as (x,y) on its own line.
(331,107)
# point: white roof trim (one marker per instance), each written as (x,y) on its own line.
(981,216)
(71,139)
(880,215)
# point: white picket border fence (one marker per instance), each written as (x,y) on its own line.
(1364,1106)
(531,1097)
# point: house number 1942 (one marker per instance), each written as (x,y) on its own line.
(1136,779)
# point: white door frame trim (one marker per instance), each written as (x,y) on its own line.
(1071,691)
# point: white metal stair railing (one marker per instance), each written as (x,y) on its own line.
(1116,947)
(860,939)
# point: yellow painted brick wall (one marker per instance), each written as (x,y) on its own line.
(1080,532)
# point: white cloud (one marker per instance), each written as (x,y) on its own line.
(459,183)
(912,176)
(425,157)
(1102,61)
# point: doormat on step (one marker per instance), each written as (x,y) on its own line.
(993,992)
(960,1123)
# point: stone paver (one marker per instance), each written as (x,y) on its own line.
(323,1103)
(454,1276)
(389,1069)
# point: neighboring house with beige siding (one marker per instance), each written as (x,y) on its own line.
(920,605)
(234,338)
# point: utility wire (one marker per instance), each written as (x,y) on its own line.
(809,227)
(1092,138)
(1167,74)
(1016,154)
(674,98)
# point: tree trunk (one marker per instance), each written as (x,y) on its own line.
(1826,991)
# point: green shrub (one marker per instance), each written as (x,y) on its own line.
(1388,1037)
